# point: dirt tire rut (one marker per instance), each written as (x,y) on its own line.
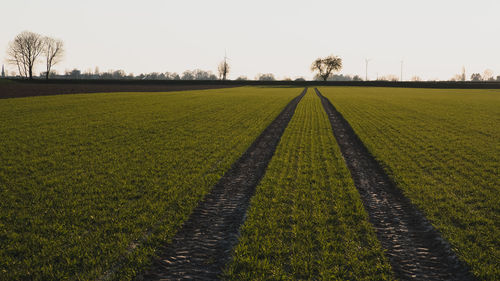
(413,246)
(203,245)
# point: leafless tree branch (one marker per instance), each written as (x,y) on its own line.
(53,49)
(23,52)
(223,69)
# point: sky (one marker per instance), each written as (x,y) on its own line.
(433,38)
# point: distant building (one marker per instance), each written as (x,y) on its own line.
(3,72)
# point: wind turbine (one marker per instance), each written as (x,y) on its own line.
(402,70)
(366,68)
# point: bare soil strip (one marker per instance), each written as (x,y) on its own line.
(414,247)
(21,90)
(203,245)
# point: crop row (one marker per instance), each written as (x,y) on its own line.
(89,180)
(441,148)
(306,220)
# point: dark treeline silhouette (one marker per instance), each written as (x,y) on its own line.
(339,77)
(297,82)
(265,77)
(203,75)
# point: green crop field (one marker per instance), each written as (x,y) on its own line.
(90,180)
(91,185)
(306,220)
(441,147)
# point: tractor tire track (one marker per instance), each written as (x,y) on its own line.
(203,245)
(413,246)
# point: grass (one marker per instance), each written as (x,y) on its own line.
(85,179)
(306,220)
(5,81)
(441,147)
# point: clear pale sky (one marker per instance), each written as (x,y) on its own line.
(434,38)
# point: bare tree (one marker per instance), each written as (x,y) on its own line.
(357,78)
(456,77)
(223,69)
(53,49)
(15,58)
(187,75)
(24,51)
(462,76)
(389,77)
(326,66)
(476,77)
(172,76)
(488,75)
(265,77)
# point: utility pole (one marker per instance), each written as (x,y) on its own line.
(401,70)
(366,69)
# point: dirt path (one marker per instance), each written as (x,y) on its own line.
(203,246)
(415,249)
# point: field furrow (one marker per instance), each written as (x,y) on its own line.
(415,249)
(440,147)
(91,185)
(306,220)
(202,247)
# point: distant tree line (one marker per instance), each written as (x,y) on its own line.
(196,74)
(391,78)
(339,77)
(486,76)
(29,49)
